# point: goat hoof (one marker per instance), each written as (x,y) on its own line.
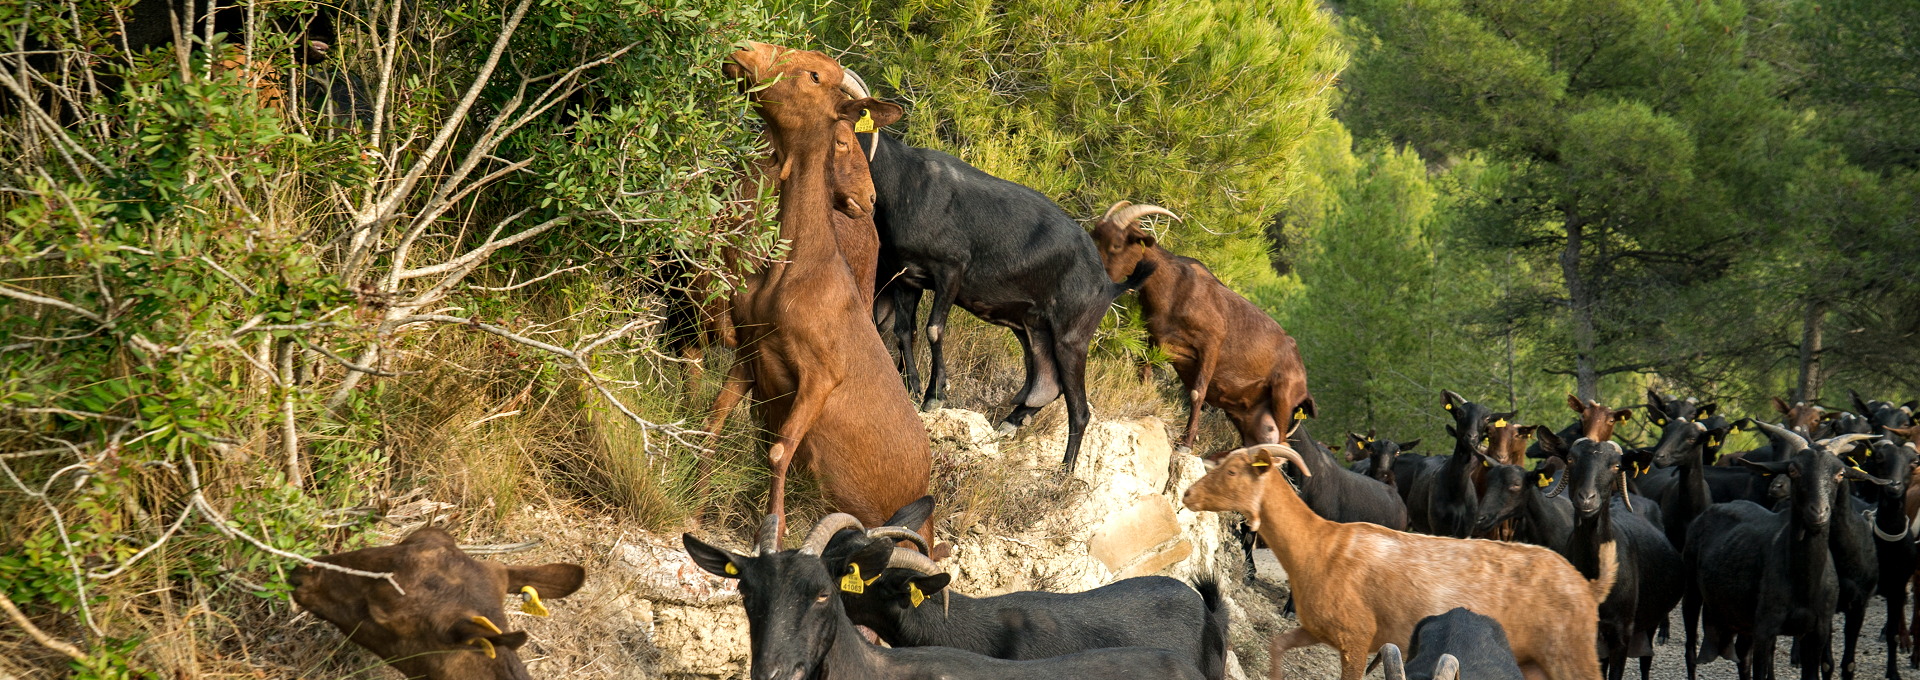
(1005,429)
(933,405)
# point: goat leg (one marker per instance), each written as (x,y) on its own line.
(1197,396)
(734,389)
(945,289)
(1298,637)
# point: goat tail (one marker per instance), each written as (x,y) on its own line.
(1609,569)
(1213,638)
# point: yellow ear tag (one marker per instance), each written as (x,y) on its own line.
(1543,482)
(485,646)
(1712,441)
(732,570)
(1300,414)
(914,595)
(1500,423)
(1660,421)
(1856,468)
(851,582)
(1447,406)
(533,605)
(1258,463)
(1485,464)
(865,124)
(486,623)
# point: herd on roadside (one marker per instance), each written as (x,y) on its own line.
(1560,558)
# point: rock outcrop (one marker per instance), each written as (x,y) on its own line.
(1118,516)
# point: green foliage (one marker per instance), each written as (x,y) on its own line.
(1195,105)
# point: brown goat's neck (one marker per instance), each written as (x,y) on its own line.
(1161,290)
(1290,528)
(806,204)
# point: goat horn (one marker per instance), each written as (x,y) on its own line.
(901,534)
(1837,444)
(1559,485)
(1115,208)
(1392,665)
(1792,438)
(1448,669)
(854,85)
(824,531)
(1130,213)
(768,540)
(908,559)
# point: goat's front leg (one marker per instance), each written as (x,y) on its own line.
(1298,637)
(809,396)
(1197,396)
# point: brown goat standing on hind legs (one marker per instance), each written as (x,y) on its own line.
(1359,586)
(1228,353)
(816,361)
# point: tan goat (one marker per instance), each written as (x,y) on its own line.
(1359,586)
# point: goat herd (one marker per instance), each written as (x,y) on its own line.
(1480,566)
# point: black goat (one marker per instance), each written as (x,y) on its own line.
(1443,501)
(1883,414)
(1685,448)
(1457,644)
(1001,251)
(798,626)
(1518,494)
(1856,568)
(1644,591)
(1342,495)
(1893,535)
(1759,574)
(1380,459)
(1147,611)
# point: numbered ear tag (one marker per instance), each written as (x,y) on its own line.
(914,595)
(865,124)
(533,605)
(852,583)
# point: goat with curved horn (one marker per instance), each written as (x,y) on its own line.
(908,559)
(767,541)
(1126,213)
(854,85)
(1794,441)
(1838,445)
(824,531)
(901,534)
(1394,667)
(1447,669)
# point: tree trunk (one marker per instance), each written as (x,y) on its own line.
(1811,326)
(1580,299)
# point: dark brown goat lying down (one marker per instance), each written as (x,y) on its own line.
(447,625)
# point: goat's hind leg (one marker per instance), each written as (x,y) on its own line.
(946,286)
(1276,652)
(1042,385)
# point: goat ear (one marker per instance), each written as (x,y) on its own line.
(555,580)
(1305,409)
(1859,475)
(1408,445)
(484,635)
(912,515)
(1501,419)
(884,113)
(1638,457)
(1655,404)
(1782,406)
(1623,415)
(1859,405)
(871,559)
(1449,400)
(1707,409)
(1574,403)
(716,561)
(1550,443)
(919,588)
(1137,235)
(1768,467)
(1260,462)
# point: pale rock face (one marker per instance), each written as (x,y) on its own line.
(1124,520)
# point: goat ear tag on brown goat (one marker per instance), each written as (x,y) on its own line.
(1258,463)
(865,124)
(852,582)
(486,623)
(485,645)
(1500,423)
(914,595)
(1300,414)
(533,605)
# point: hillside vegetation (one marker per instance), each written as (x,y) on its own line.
(236,331)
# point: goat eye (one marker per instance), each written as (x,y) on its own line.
(822,599)
(815,74)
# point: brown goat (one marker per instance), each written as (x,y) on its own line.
(447,625)
(817,364)
(1229,354)
(1597,421)
(1359,586)
(1800,416)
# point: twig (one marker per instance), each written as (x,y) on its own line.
(50,302)
(343,360)
(38,635)
(501,548)
(529,282)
